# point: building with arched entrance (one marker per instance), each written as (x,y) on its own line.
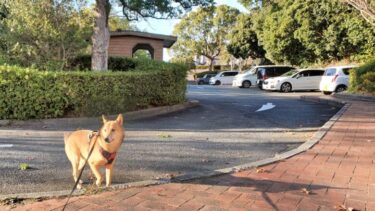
(127,43)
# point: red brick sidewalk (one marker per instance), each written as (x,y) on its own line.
(339,170)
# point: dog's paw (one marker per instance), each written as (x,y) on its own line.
(79,186)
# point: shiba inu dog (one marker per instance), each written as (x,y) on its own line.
(105,144)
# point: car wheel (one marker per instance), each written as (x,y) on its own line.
(217,82)
(340,88)
(327,93)
(246,84)
(200,82)
(286,87)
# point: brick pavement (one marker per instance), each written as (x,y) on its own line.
(339,170)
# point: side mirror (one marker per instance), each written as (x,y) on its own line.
(298,76)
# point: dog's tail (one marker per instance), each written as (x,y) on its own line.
(66,136)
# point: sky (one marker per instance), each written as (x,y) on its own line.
(166,26)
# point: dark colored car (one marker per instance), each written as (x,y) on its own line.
(265,72)
(205,79)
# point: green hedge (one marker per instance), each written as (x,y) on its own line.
(362,79)
(29,93)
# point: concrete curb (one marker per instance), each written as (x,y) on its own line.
(133,115)
(356,97)
(206,174)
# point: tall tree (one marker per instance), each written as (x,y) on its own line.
(205,32)
(303,32)
(244,42)
(44,33)
(132,10)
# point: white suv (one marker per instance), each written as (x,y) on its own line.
(335,79)
(222,78)
(246,79)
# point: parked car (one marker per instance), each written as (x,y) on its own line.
(205,79)
(305,79)
(335,79)
(269,71)
(222,78)
(246,79)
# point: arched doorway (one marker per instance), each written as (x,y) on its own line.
(143,50)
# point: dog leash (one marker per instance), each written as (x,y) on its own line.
(94,134)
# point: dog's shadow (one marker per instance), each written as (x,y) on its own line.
(262,186)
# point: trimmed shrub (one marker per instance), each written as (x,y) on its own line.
(29,93)
(362,79)
(83,62)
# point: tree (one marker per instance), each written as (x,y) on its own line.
(366,8)
(205,32)
(132,10)
(304,32)
(251,4)
(116,23)
(244,42)
(44,33)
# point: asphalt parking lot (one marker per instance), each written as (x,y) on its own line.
(227,129)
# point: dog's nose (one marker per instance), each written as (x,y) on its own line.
(106,139)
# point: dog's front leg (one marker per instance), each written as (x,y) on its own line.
(108,174)
(95,170)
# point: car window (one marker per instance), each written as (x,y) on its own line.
(276,71)
(287,69)
(330,72)
(316,72)
(346,71)
(290,73)
(305,73)
(267,71)
(230,73)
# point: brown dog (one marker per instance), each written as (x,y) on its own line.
(106,143)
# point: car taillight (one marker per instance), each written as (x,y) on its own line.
(334,78)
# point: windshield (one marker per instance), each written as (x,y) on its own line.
(251,71)
(290,73)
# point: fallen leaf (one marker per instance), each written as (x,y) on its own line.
(261,170)
(340,208)
(171,176)
(165,136)
(23,166)
(306,191)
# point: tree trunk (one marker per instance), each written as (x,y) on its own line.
(210,67)
(100,38)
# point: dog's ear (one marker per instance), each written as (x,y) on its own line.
(104,119)
(120,119)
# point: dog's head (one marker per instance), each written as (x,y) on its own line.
(112,131)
